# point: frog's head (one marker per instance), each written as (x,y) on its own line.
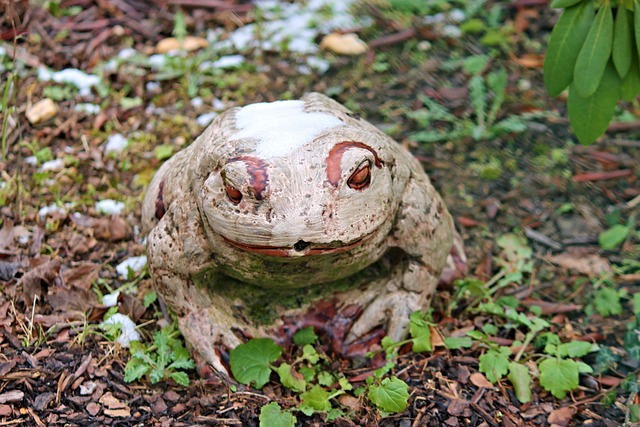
(303,183)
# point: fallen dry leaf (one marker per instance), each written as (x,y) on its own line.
(561,416)
(587,264)
(344,44)
(37,279)
(479,380)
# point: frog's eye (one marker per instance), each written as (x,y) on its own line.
(360,179)
(233,194)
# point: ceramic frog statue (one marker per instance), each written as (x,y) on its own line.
(288,214)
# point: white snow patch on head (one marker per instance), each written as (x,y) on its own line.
(206,118)
(128,332)
(281,127)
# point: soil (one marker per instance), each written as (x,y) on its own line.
(56,366)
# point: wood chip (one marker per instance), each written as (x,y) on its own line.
(42,111)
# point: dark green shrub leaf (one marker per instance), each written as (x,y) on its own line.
(630,87)
(562,4)
(622,50)
(564,45)
(590,116)
(595,53)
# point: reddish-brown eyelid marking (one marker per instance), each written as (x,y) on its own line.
(334,171)
(258,175)
(160,210)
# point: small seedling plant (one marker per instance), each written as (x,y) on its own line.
(165,358)
(253,362)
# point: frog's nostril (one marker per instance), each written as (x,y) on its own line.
(301,245)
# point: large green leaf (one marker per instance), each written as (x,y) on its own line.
(595,53)
(561,4)
(566,40)
(251,362)
(622,50)
(630,87)
(590,116)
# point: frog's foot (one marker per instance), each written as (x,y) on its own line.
(210,339)
(391,310)
(456,266)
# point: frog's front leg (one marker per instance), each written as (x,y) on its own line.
(423,232)
(177,254)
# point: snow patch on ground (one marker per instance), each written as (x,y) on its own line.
(83,81)
(115,143)
(52,165)
(87,108)
(134,264)
(51,210)
(110,300)
(128,332)
(109,207)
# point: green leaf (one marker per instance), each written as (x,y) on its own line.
(595,53)
(135,369)
(305,336)
(520,379)
(562,4)
(164,151)
(559,376)
(181,378)
(583,368)
(310,354)
(316,399)
(455,343)
(589,117)
(630,86)
(391,395)
(613,237)
(495,363)
(636,303)
(576,349)
(622,50)
(290,379)
(149,298)
(607,302)
(325,378)
(566,40)
(250,362)
(271,415)
(420,332)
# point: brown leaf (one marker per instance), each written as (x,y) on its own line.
(602,176)
(551,307)
(561,416)
(587,264)
(38,278)
(479,380)
(467,222)
(112,229)
(6,235)
(75,292)
(109,401)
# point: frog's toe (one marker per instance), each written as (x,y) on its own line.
(391,310)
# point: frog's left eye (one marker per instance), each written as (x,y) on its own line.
(361,178)
(233,194)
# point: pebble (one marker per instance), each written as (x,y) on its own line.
(344,44)
(189,43)
(42,111)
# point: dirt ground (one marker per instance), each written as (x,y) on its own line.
(57,367)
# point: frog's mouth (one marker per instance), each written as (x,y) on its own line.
(299,249)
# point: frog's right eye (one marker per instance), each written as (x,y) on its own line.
(233,194)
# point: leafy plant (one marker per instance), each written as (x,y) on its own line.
(253,362)
(595,54)
(165,358)
(487,97)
